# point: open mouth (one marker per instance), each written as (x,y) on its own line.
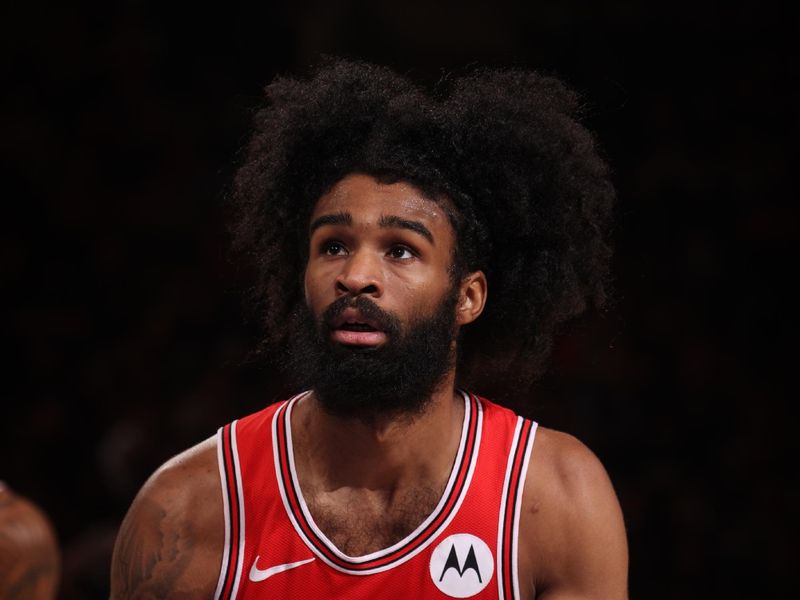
(354,329)
(357,327)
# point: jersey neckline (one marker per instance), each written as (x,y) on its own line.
(412,544)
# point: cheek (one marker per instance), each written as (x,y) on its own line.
(310,287)
(424,294)
(318,287)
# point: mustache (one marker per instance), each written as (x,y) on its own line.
(386,321)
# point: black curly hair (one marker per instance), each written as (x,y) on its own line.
(531,193)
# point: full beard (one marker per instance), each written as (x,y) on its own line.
(394,380)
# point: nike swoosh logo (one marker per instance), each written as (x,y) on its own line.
(257,574)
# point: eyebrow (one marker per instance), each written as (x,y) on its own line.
(386,222)
(340,218)
(393,221)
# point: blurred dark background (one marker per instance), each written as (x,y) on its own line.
(123,327)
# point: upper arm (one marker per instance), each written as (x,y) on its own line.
(29,560)
(170,542)
(572,528)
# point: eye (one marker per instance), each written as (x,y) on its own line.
(401,252)
(333,249)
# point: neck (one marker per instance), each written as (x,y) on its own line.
(382,454)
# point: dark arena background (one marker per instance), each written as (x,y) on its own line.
(122,321)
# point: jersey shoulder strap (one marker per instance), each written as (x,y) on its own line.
(245,435)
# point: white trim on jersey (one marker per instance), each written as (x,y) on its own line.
(407,539)
(518,508)
(238,473)
(223,479)
(503,500)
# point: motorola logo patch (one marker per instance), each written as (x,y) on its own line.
(462,565)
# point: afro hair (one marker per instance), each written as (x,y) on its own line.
(531,194)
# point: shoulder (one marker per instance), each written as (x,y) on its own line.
(572,535)
(170,542)
(563,466)
(29,561)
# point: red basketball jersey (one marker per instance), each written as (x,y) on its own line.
(466,548)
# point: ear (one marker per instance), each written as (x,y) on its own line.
(471,298)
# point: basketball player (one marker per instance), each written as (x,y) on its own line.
(29,560)
(411,246)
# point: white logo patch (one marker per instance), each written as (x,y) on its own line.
(462,565)
(257,574)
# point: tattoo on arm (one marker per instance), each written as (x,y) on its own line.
(152,555)
(37,581)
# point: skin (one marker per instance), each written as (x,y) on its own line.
(388,242)
(29,560)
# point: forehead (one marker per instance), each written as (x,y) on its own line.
(366,200)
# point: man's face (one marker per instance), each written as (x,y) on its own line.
(377,334)
(385,242)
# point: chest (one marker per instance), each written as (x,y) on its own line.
(286,540)
(360,522)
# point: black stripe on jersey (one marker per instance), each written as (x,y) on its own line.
(234,522)
(228,521)
(515,512)
(513,492)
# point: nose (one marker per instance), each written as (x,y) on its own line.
(360,275)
